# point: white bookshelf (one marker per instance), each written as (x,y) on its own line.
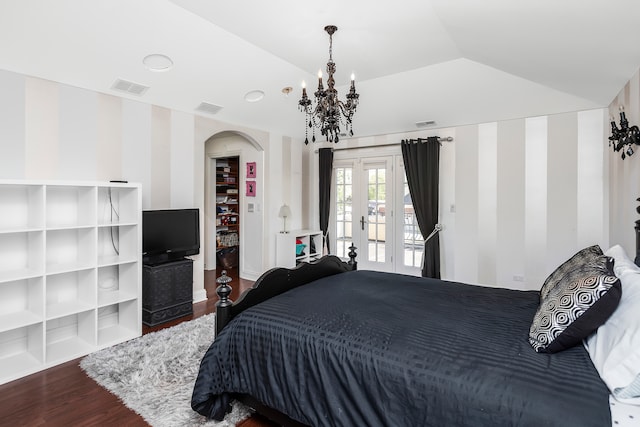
(286,255)
(70,271)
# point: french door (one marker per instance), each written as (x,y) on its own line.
(362,212)
(372,209)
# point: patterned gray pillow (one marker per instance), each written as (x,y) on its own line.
(589,259)
(575,307)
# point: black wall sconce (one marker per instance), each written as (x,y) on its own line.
(622,138)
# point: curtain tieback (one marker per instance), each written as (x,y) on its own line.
(436,229)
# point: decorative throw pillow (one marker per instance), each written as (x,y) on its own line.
(574,267)
(615,347)
(575,307)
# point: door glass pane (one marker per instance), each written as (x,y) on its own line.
(344,200)
(376,192)
(413,241)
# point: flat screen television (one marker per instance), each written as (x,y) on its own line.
(169,235)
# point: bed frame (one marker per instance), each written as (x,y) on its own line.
(274,282)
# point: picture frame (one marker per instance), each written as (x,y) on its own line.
(251,188)
(251,169)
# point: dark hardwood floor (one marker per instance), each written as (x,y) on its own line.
(65,396)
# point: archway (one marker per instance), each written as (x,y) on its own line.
(228,144)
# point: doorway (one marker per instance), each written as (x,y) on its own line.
(250,207)
(226,205)
(361,207)
(372,208)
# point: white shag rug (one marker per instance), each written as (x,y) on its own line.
(154,375)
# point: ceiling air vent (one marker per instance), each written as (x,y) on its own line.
(129,87)
(425,123)
(207,107)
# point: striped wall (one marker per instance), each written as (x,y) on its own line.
(525,211)
(59,132)
(53,131)
(518,197)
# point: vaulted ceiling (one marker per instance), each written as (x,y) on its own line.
(454,62)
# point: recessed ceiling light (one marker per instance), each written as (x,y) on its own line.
(254,96)
(157,62)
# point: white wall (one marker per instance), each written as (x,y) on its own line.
(527,195)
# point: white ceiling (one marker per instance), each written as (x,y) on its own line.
(453,61)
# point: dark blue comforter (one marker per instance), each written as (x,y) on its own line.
(377,349)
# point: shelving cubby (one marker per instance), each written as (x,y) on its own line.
(21,303)
(117,321)
(21,351)
(70,206)
(116,206)
(70,293)
(22,207)
(117,283)
(70,336)
(21,255)
(70,271)
(117,244)
(70,249)
(286,253)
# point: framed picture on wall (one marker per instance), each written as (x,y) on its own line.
(251,169)
(251,188)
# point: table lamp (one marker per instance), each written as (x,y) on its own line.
(285,211)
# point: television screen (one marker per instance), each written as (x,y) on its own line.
(170,234)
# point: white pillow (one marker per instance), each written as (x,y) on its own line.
(622,262)
(615,347)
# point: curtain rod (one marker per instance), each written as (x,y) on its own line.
(440,139)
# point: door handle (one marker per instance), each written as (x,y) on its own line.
(362,222)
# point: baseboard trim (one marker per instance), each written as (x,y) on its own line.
(249,275)
(199,295)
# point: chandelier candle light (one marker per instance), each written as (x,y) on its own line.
(622,138)
(329,112)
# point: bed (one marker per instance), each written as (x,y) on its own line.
(327,344)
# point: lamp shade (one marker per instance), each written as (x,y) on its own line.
(285,211)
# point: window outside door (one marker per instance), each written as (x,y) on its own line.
(361,212)
(412,247)
(343,210)
(376,235)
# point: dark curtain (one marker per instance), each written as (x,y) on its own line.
(421,164)
(326,168)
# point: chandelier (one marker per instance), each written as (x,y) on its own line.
(623,137)
(328,112)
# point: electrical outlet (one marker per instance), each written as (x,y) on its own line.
(518,278)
